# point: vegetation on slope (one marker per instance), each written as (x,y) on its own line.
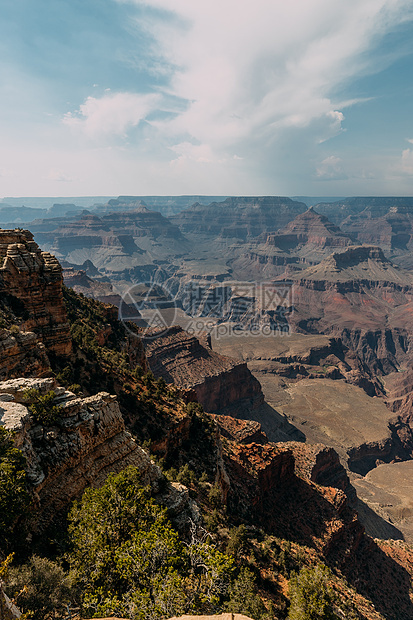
(227,565)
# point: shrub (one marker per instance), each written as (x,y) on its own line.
(310,595)
(215,496)
(185,475)
(129,561)
(237,540)
(41,406)
(40,587)
(244,598)
(14,499)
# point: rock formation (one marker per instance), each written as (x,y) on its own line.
(306,240)
(22,353)
(114,242)
(241,217)
(35,279)
(87,441)
(217,381)
(365,206)
(310,228)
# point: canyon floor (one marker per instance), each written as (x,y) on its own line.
(332,412)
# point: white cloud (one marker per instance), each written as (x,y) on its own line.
(406,167)
(6,173)
(251,88)
(250,70)
(331,169)
(111,115)
(56,174)
(201,153)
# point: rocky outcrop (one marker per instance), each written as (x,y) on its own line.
(264,488)
(117,243)
(86,443)
(167,205)
(35,279)
(363,206)
(320,464)
(305,241)
(257,474)
(240,431)
(364,264)
(114,227)
(217,381)
(361,297)
(310,228)
(22,353)
(241,217)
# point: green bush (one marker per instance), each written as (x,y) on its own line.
(311,596)
(41,588)
(129,561)
(14,499)
(42,406)
(185,475)
(244,598)
(215,496)
(237,540)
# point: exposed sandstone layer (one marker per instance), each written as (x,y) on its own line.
(217,381)
(22,353)
(364,206)
(320,464)
(306,240)
(264,487)
(312,228)
(122,244)
(35,278)
(242,217)
(364,299)
(240,431)
(87,442)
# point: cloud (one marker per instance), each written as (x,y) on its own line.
(251,88)
(111,115)
(250,70)
(6,173)
(331,169)
(406,167)
(55,174)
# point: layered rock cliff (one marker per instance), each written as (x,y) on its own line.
(365,206)
(306,240)
(241,217)
(217,381)
(34,278)
(87,441)
(21,353)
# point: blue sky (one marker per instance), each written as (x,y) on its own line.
(108,97)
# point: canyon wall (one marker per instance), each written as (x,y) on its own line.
(217,381)
(35,279)
(86,443)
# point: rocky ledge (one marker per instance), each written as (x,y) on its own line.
(34,278)
(217,381)
(22,353)
(87,441)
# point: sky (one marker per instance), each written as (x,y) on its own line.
(218,97)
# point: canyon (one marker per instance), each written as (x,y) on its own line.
(310,400)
